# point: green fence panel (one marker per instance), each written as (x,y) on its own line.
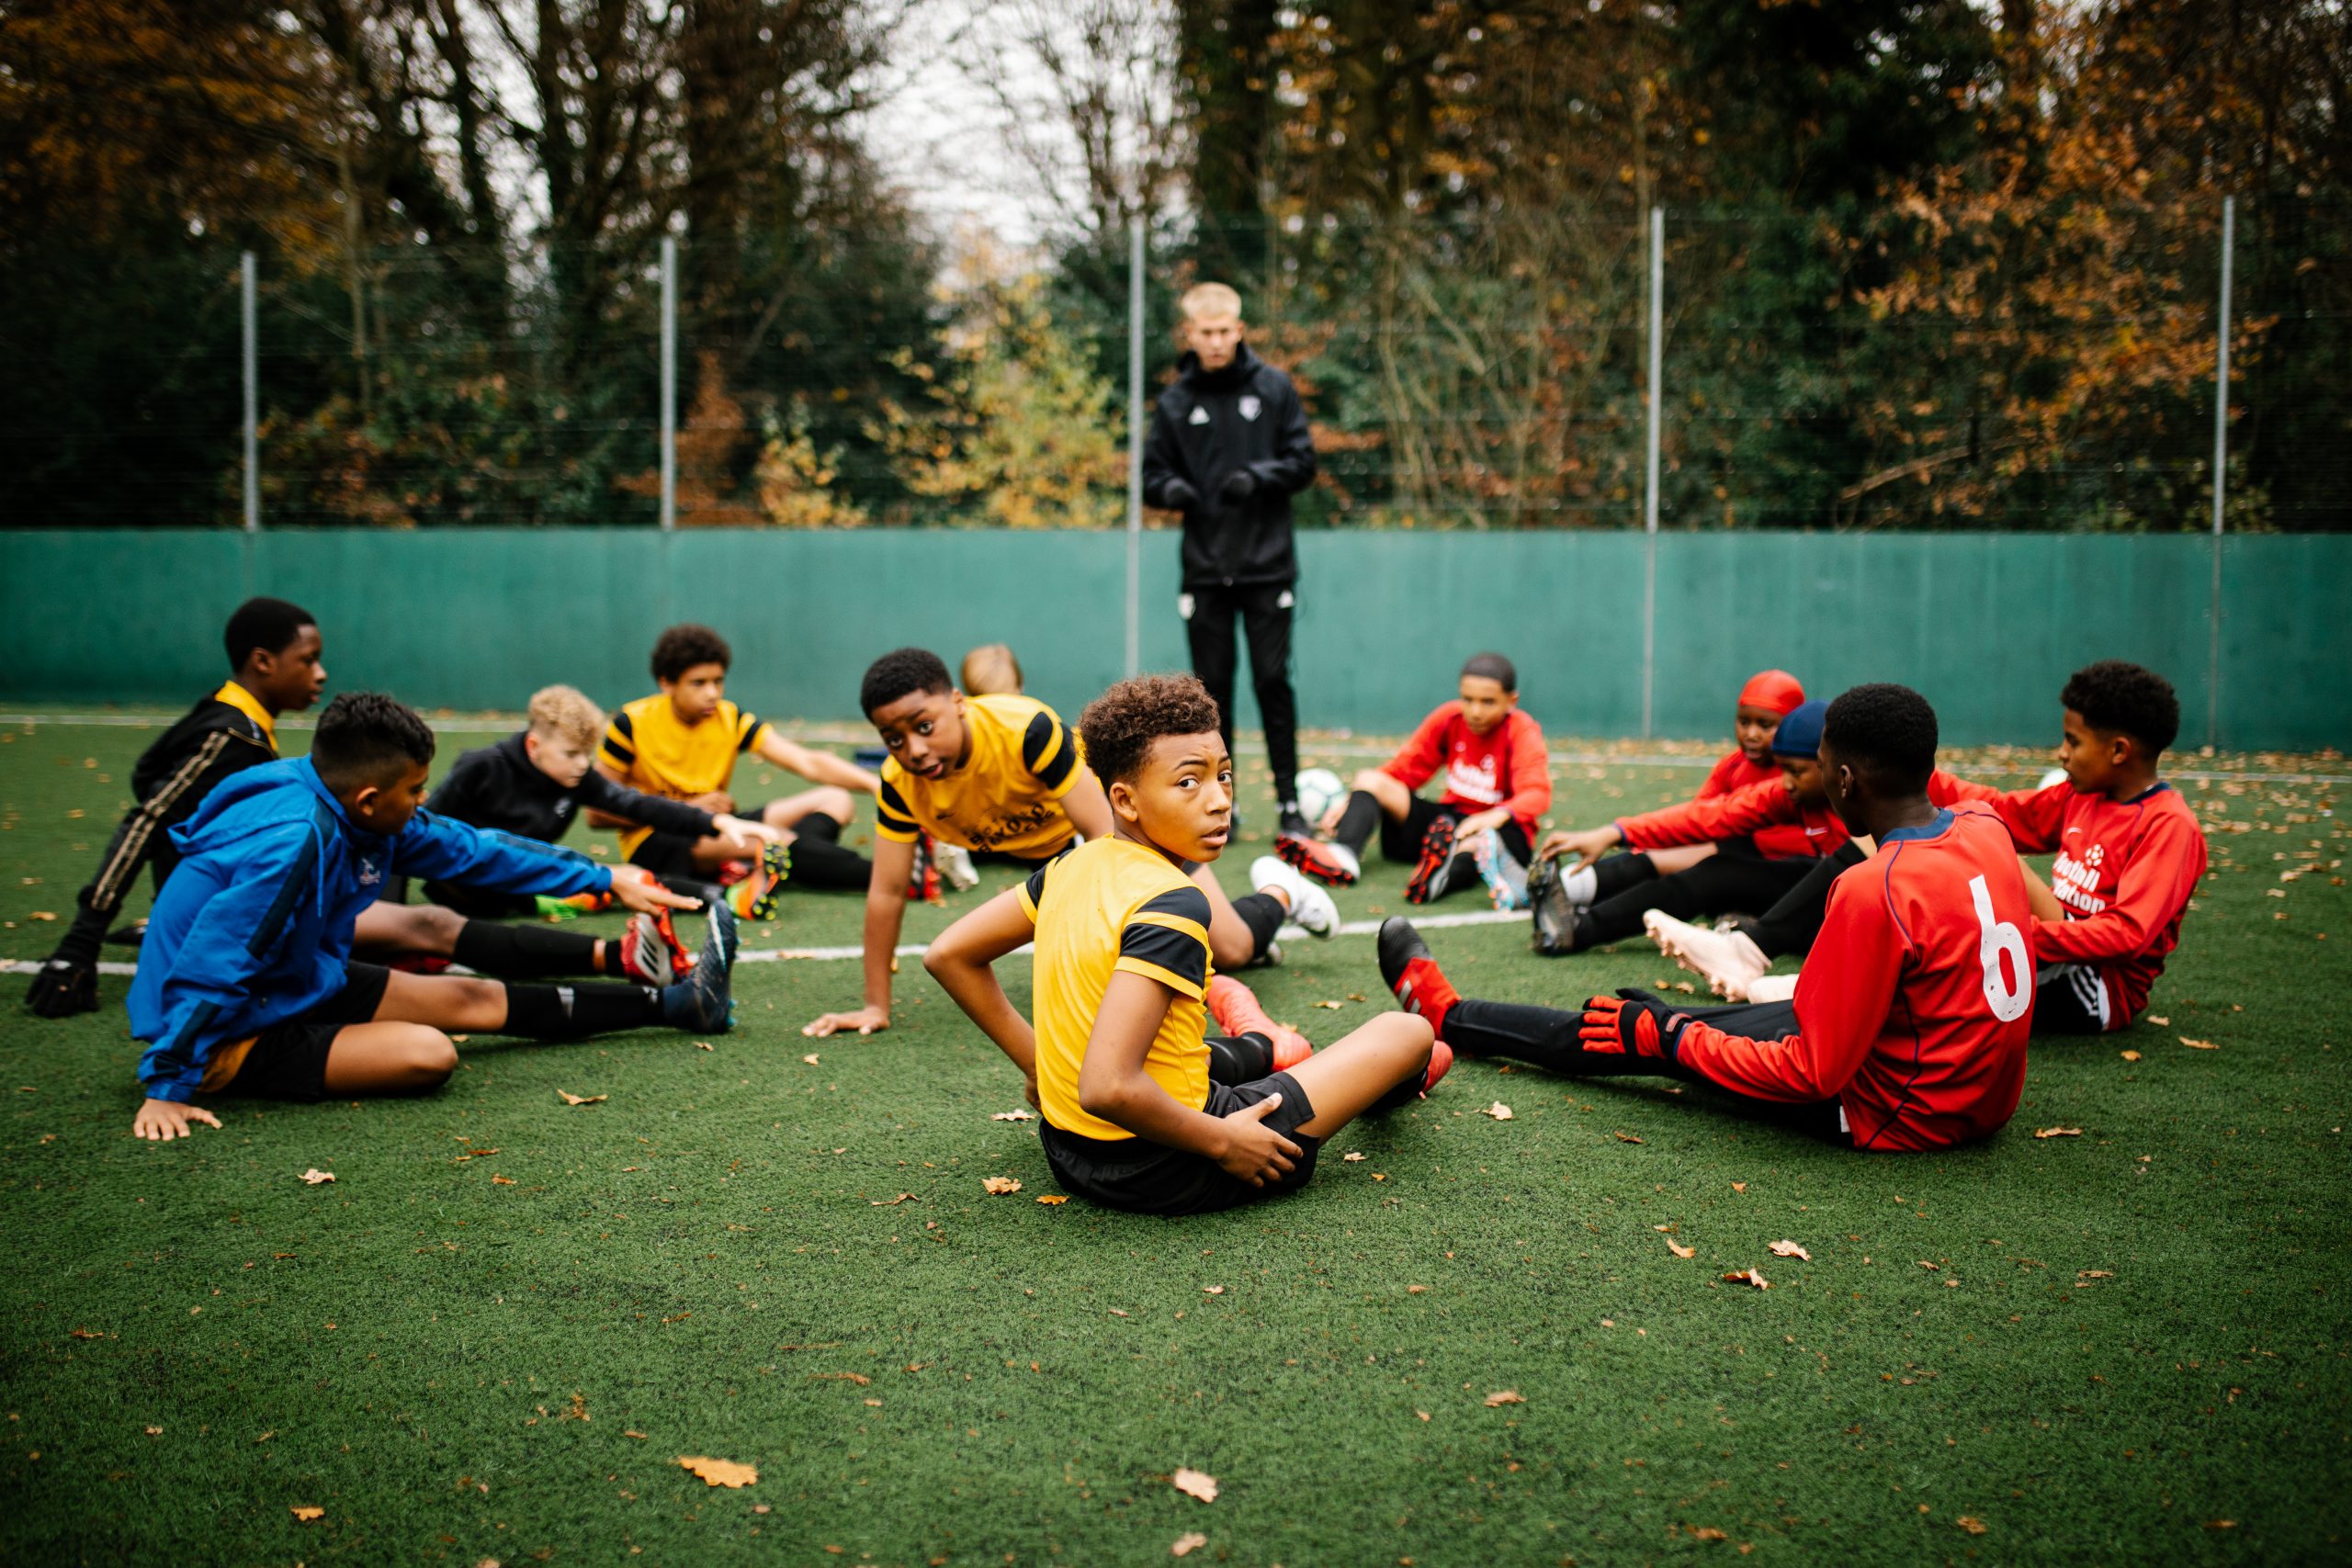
(1988,626)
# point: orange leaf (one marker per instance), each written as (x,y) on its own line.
(719,1471)
(1791,1250)
(1969,1523)
(581,1098)
(890,1202)
(1679,1251)
(1188,1543)
(1503,1396)
(859,1379)
(1194,1483)
(1052,1199)
(1001,1185)
(497,1180)
(1211,1290)
(2130,1055)
(1705,1532)
(1748,1277)
(1626,1138)
(2198,1044)
(305,1513)
(810,1058)
(2057,1132)
(318,1178)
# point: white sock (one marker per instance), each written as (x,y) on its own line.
(1581,885)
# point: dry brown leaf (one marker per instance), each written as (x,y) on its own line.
(888,1202)
(1739,1186)
(2198,1044)
(44,915)
(1791,1250)
(1194,1483)
(155,1431)
(703,1046)
(1925,1264)
(1188,1543)
(1011,1116)
(1748,1277)
(497,1180)
(305,1513)
(318,1178)
(2057,1132)
(810,1058)
(1626,1138)
(859,1379)
(1001,1185)
(85,1334)
(1333,1006)
(2130,1055)
(1498,1111)
(1971,1523)
(633,1432)
(1705,1532)
(1052,1200)
(1502,1396)
(2094,1274)
(1679,1251)
(2159,1022)
(581,1098)
(1211,1290)
(719,1471)
(1352,1156)
(1416,1290)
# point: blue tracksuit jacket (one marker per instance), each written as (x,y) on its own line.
(254,926)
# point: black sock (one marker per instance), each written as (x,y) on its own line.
(1358,822)
(818,861)
(1616,873)
(1263,914)
(1236,1059)
(571,1013)
(1405,1090)
(524,952)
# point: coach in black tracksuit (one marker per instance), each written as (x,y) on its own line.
(1228,447)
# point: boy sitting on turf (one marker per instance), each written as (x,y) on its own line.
(1119,1060)
(1003,778)
(991,671)
(532,786)
(245,982)
(273,668)
(2129,854)
(682,745)
(1908,1029)
(1498,784)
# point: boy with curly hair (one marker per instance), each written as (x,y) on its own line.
(1143,1110)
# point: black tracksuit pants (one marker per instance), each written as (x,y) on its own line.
(1735,879)
(1265,613)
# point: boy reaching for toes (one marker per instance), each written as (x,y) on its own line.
(1142,1110)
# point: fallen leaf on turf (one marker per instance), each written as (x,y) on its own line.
(887,1203)
(1971,1523)
(1925,1264)
(1011,1116)
(1333,1006)
(702,1046)
(2057,1132)
(1352,1156)
(2159,1022)
(2094,1274)
(2221,1524)
(1739,1186)
(1416,1290)
(155,1431)
(1679,1251)
(581,1098)
(1502,1396)
(634,1433)
(1052,1198)
(1188,1543)
(1705,1532)
(497,1180)
(1423,1413)
(85,1334)
(859,1379)
(1194,1483)
(1001,1185)
(1791,1250)
(305,1513)
(1625,1138)
(2130,1055)
(1498,1111)
(316,1177)
(719,1471)
(48,915)
(2198,1044)
(1380,1176)
(1748,1277)
(1211,1290)
(810,1058)
(1118,1311)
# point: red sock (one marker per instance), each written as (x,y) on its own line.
(1427,991)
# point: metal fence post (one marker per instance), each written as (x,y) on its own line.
(1649,497)
(2220,469)
(668,383)
(1139,424)
(247,270)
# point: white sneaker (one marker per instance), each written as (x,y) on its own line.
(954,863)
(1311,908)
(1729,961)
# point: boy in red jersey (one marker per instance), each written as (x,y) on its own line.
(1498,784)
(1908,1030)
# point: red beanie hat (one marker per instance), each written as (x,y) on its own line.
(1774,689)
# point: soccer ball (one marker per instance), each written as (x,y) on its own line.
(1320,789)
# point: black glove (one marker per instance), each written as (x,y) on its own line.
(1240,485)
(1178,496)
(63,988)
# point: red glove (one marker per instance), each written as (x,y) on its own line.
(1631,1026)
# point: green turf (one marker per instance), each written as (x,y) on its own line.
(497,1331)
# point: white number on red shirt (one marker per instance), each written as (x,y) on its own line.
(1997,939)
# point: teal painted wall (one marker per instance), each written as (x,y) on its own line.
(1988,626)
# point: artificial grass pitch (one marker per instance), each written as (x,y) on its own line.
(497,1331)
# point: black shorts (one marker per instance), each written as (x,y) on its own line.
(1145,1178)
(668,854)
(481,903)
(288,1060)
(2070,999)
(1400,840)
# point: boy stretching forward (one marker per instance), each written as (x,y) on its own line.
(1908,1030)
(273,668)
(245,981)
(1003,778)
(1118,1059)
(1497,786)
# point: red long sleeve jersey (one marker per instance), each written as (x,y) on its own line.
(1914,1008)
(1735,772)
(1769,807)
(2125,871)
(1508,766)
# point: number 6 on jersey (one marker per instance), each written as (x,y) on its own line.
(2001,938)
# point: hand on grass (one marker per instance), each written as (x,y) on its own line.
(866,1021)
(636,889)
(161,1121)
(1253,1151)
(1587,846)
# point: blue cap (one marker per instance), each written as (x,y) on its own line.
(1800,731)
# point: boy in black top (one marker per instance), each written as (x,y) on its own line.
(274,650)
(1228,447)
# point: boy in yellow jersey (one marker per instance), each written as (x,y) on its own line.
(1142,1110)
(1001,779)
(682,744)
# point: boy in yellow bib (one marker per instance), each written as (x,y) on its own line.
(1142,1109)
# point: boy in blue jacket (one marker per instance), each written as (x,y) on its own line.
(245,980)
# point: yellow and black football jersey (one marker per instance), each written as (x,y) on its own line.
(1006,797)
(656,751)
(1104,907)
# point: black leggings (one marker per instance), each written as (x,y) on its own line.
(1266,617)
(1791,925)
(1733,879)
(1548,1038)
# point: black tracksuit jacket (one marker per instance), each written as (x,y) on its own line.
(498,787)
(1209,424)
